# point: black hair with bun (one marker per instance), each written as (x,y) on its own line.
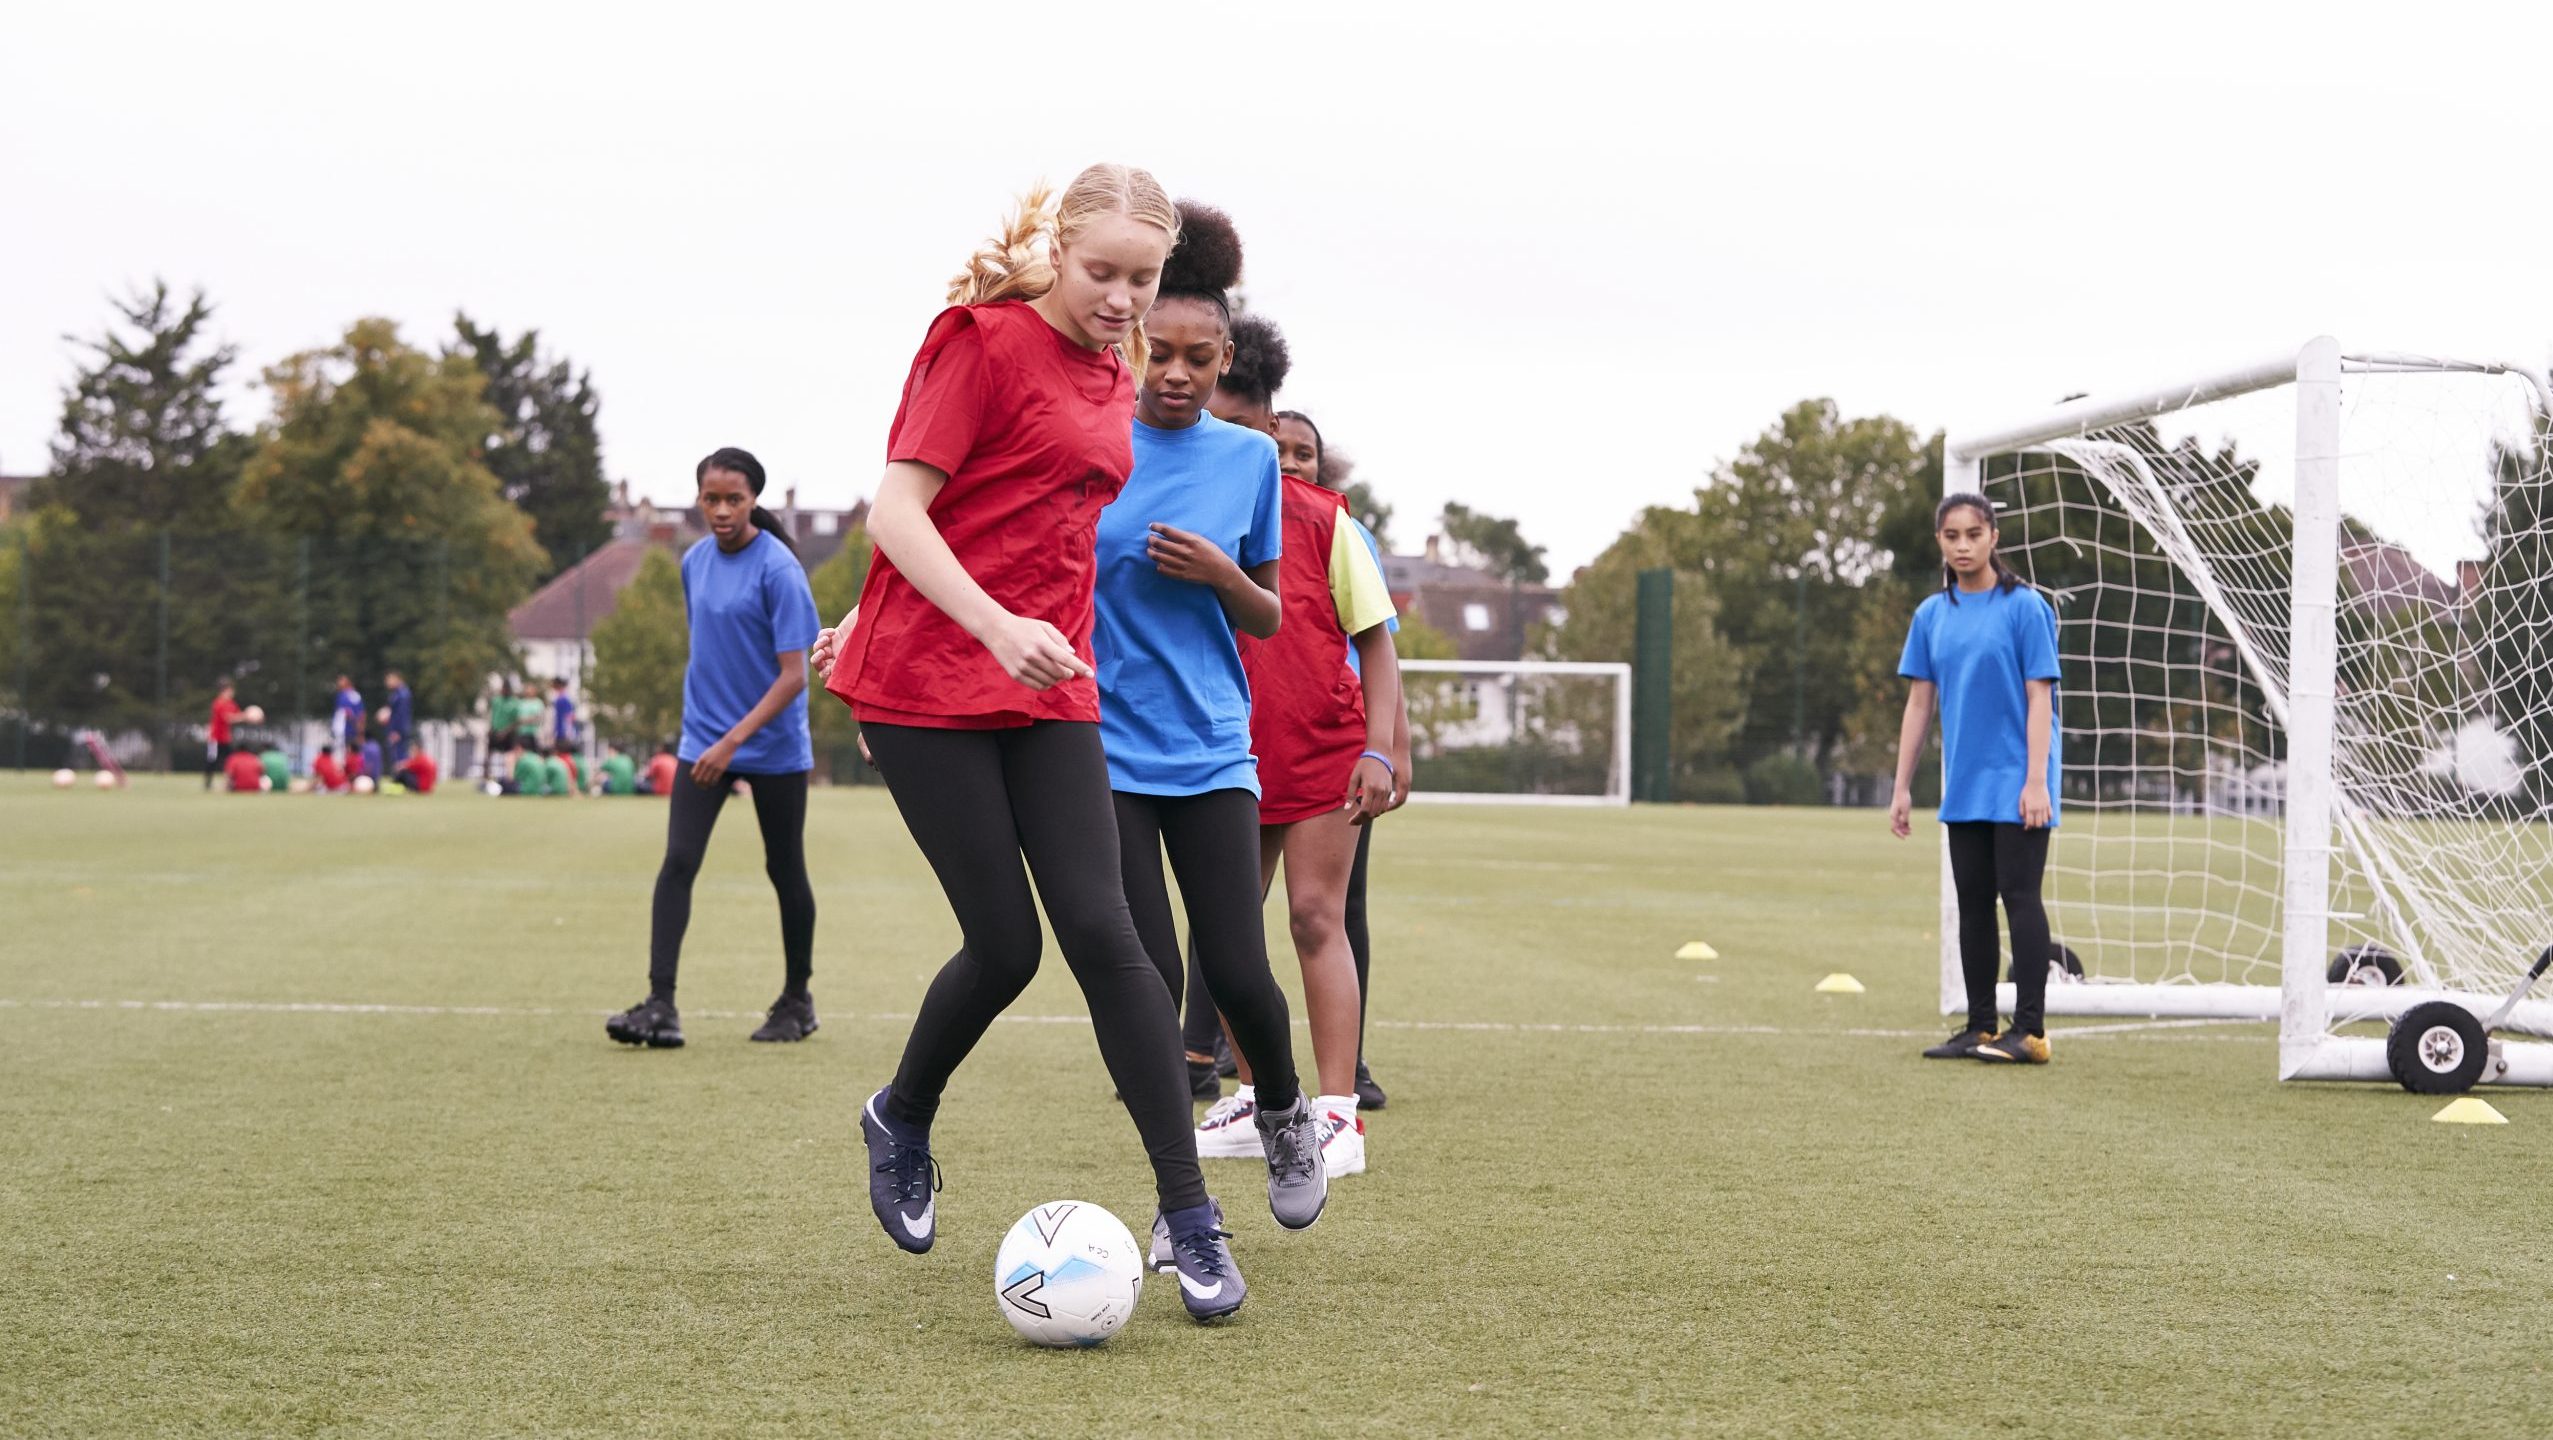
(1259,360)
(1206,263)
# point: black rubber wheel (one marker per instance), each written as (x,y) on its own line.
(2364,965)
(2064,966)
(2437,1047)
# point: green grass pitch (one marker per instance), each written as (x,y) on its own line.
(1615,1193)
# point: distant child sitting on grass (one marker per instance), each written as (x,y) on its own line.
(327,773)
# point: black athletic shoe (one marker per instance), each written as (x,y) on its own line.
(1224,1064)
(651,1022)
(792,1017)
(1203,1083)
(903,1183)
(1369,1096)
(1209,1282)
(1962,1046)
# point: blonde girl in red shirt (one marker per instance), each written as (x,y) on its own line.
(968,664)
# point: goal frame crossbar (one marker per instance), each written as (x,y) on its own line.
(2305,1004)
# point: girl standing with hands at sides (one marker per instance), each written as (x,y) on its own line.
(968,665)
(1324,734)
(744,717)
(1986,647)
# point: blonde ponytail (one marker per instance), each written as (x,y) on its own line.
(1018,264)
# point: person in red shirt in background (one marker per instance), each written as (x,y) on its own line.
(247,773)
(217,732)
(969,669)
(661,772)
(326,775)
(418,772)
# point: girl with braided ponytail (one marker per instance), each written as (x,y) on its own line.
(968,663)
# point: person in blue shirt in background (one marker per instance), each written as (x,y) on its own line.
(562,715)
(752,619)
(346,723)
(398,721)
(1986,645)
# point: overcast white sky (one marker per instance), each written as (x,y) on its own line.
(1551,262)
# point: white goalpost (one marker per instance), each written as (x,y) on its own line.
(2307,752)
(1520,732)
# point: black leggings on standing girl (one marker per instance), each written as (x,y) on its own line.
(1213,840)
(1993,861)
(979,802)
(780,809)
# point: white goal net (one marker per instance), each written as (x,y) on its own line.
(1520,731)
(2307,699)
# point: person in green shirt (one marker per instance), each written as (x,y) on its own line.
(279,768)
(617,775)
(501,706)
(562,779)
(531,774)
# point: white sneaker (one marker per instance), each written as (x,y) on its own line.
(1230,1130)
(1342,1143)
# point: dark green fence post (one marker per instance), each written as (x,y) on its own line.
(1653,690)
(301,654)
(168,722)
(26,643)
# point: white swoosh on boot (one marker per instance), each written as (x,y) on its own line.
(1202,1292)
(918,1229)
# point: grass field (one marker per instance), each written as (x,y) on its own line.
(309,1128)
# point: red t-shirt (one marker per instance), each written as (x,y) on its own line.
(660,775)
(1307,707)
(1036,436)
(244,771)
(329,774)
(418,772)
(225,710)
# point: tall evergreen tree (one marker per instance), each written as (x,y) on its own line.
(545,452)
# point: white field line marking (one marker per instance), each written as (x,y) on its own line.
(1490,1027)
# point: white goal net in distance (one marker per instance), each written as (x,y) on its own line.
(2227,733)
(1520,731)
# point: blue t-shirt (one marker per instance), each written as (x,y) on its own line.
(1980,653)
(349,716)
(1174,707)
(1373,547)
(403,712)
(747,610)
(563,711)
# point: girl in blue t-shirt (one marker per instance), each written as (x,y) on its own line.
(752,618)
(1986,648)
(1188,558)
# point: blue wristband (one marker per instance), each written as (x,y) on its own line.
(1383,760)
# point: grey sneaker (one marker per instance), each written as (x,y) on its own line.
(1298,1183)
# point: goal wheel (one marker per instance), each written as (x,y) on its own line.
(2064,966)
(2437,1047)
(2364,965)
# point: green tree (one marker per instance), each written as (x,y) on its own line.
(2514,612)
(1710,673)
(837,584)
(640,651)
(372,459)
(1338,472)
(142,599)
(1493,543)
(545,452)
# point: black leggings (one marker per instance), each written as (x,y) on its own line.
(1991,861)
(1213,840)
(780,808)
(977,803)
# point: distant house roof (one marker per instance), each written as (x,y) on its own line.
(1485,617)
(13,489)
(577,599)
(2388,572)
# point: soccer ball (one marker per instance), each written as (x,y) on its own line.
(363,785)
(254,714)
(265,782)
(106,779)
(1068,1274)
(492,788)
(64,779)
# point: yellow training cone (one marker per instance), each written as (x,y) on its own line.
(2469,1111)
(1696,950)
(1839,984)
